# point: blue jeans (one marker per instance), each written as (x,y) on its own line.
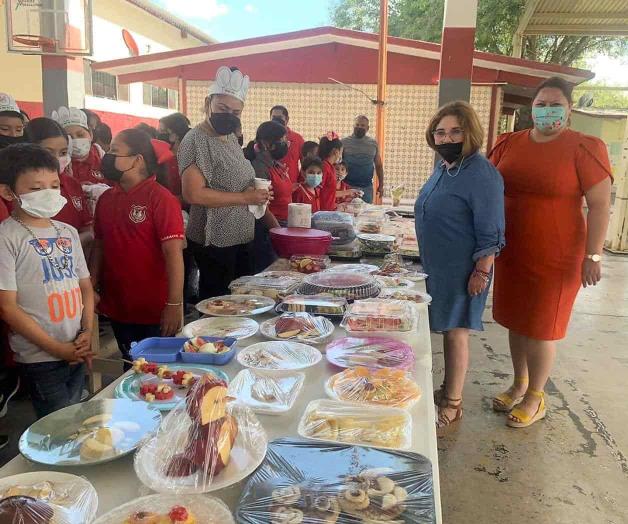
(126,334)
(53,385)
(368,193)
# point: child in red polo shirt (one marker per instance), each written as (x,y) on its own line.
(137,260)
(330,150)
(86,157)
(308,191)
(343,192)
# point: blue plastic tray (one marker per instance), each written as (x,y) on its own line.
(158,349)
(208,358)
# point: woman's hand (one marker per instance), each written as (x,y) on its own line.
(477,284)
(591,272)
(170,321)
(256,197)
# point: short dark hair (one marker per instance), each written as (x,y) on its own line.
(283,109)
(326,146)
(309,162)
(177,123)
(41,128)
(556,82)
(308,147)
(19,158)
(12,114)
(103,133)
(270,131)
(150,130)
(362,117)
(91,114)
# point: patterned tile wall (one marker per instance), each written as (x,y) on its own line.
(317,108)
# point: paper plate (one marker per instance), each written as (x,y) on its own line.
(264,394)
(208,510)
(278,357)
(73,499)
(267,329)
(243,305)
(57,439)
(129,387)
(239,328)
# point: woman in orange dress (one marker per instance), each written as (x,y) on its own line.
(551,250)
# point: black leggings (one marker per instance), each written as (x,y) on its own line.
(219,266)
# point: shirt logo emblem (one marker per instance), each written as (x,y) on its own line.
(97,174)
(137,214)
(77,203)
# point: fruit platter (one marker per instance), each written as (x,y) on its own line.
(370,352)
(163,386)
(208,442)
(235,305)
(309,263)
(298,326)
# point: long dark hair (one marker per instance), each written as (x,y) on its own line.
(139,143)
(177,123)
(268,132)
(326,146)
(42,128)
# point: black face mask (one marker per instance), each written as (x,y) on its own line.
(280,150)
(359,132)
(224,123)
(108,168)
(6,141)
(451,151)
(279,120)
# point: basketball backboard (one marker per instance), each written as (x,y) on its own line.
(49,27)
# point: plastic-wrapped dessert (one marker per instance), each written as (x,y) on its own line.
(314,304)
(383,387)
(339,224)
(349,285)
(298,326)
(267,394)
(274,287)
(236,305)
(25,510)
(309,263)
(379,315)
(370,352)
(411,295)
(176,515)
(376,244)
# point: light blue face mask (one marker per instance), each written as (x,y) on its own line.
(549,118)
(313,180)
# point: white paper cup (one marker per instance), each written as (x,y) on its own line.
(262,183)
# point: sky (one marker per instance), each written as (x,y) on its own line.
(227,20)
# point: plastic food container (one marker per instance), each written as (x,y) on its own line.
(349,285)
(382,387)
(289,240)
(274,287)
(340,225)
(356,424)
(265,394)
(347,251)
(309,263)
(158,349)
(218,359)
(315,304)
(411,295)
(370,352)
(301,327)
(377,315)
(374,244)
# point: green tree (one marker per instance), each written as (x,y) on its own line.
(496,25)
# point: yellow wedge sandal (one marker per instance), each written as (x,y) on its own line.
(520,419)
(503,402)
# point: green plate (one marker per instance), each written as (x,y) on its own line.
(129,387)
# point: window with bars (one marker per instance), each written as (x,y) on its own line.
(161,97)
(100,84)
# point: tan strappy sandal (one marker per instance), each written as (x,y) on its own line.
(503,402)
(444,420)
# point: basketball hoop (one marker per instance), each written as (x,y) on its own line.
(37,41)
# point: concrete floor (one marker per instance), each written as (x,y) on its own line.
(571,468)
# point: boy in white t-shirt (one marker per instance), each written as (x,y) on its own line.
(46,296)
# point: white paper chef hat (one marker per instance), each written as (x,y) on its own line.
(8,103)
(71,116)
(229,82)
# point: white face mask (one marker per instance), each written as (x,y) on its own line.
(45,203)
(64,161)
(81,147)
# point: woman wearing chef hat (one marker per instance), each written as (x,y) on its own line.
(218,182)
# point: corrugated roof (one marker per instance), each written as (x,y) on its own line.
(175,21)
(579,17)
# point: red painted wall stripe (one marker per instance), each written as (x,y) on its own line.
(457,56)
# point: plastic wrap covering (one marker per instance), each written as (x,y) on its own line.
(371,222)
(238,328)
(382,387)
(309,263)
(394,281)
(374,244)
(370,352)
(315,304)
(339,224)
(394,267)
(236,305)
(272,286)
(355,268)
(170,509)
(380,315)
(349,285)
(316,483)
(89,433)
(410,295)
(298,326)
(357,424)
(348,251)
(266,394)
(43,497)
(279,357)
(208,442)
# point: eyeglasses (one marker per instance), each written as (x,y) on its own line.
(454,134)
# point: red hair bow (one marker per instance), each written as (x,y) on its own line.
(162,151)
(332,135)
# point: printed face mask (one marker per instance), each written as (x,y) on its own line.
(45,203)
(313,179)
(81,147)
(549,118)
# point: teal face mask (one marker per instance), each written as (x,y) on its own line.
(549,118)
(314,180)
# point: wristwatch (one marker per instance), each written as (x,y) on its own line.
(595,257)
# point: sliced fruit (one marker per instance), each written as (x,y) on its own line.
(180,466)
(206,401)
(289,334)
